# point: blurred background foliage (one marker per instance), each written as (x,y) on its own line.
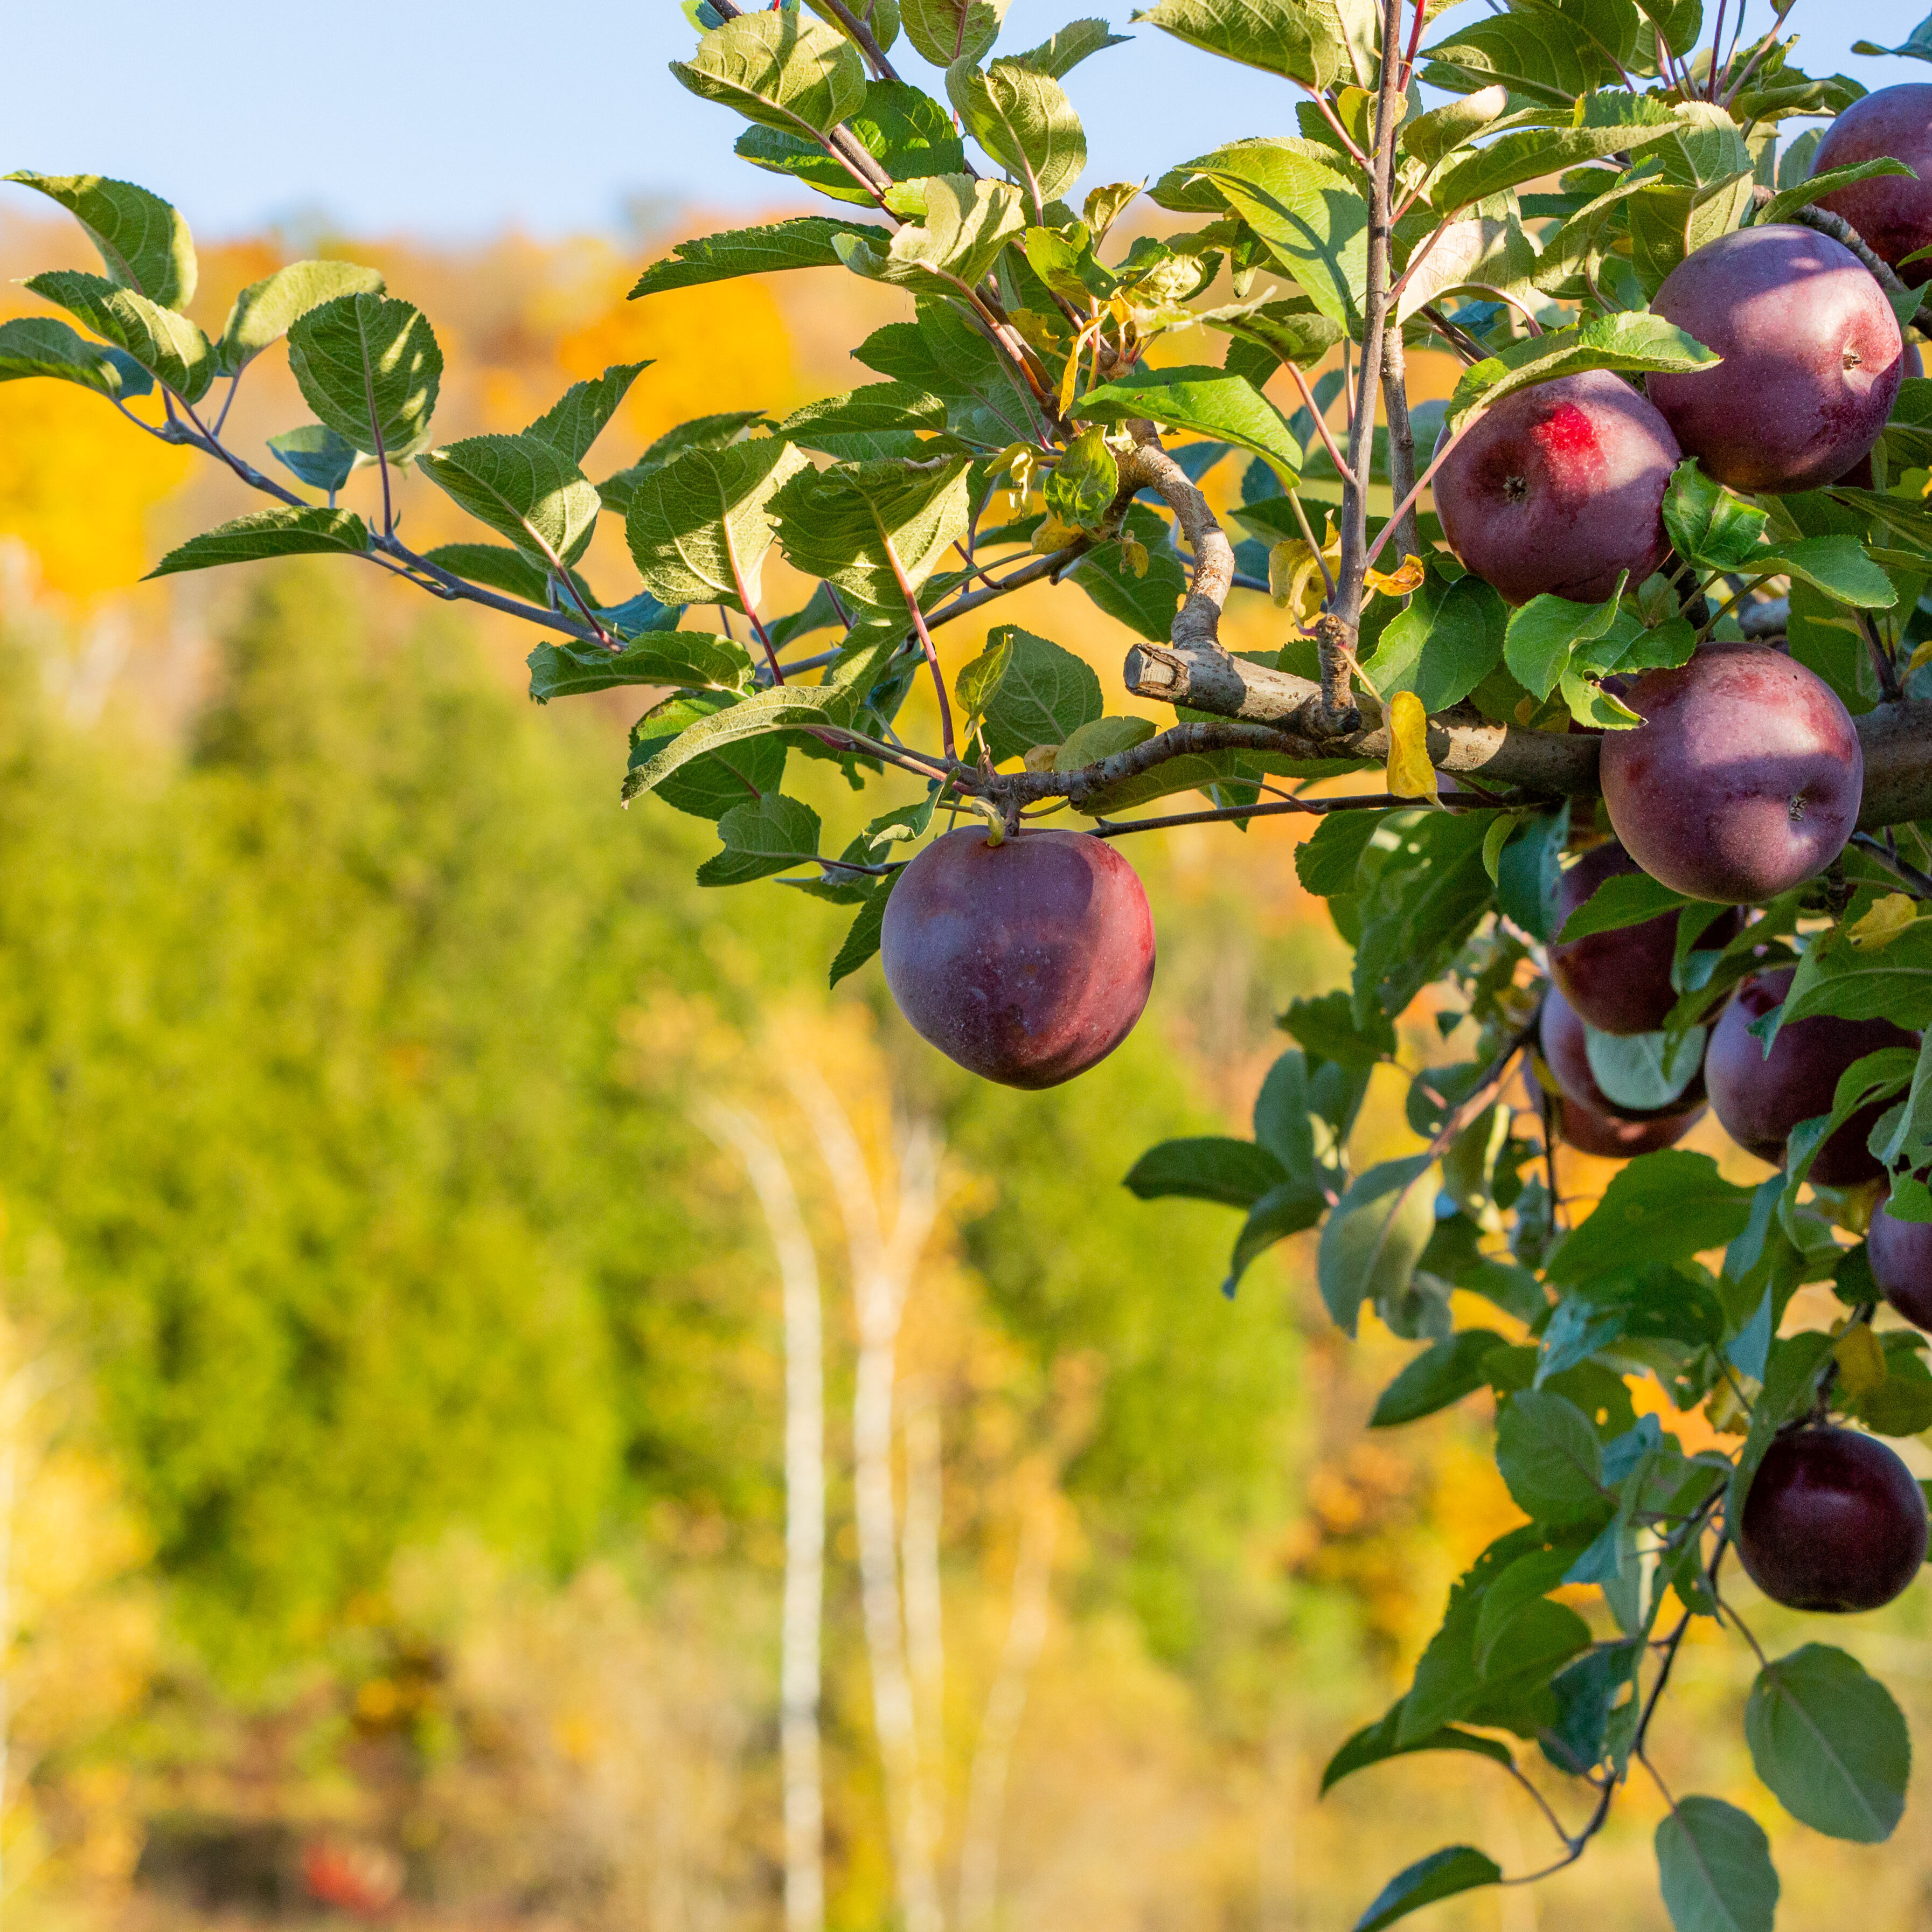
(391,1395)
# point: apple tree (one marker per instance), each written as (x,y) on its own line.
(1605,683)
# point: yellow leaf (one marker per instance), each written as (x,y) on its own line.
(1882,924)
(1921,656)
(1410,773)
(1041,758)
(1053,534)
(1134,556)
(1398,583)
(1860,1359)
(1727,1412)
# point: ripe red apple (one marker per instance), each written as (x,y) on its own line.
(1892,214)
(1900,1254)
(1745,780)
(1620,981)
(1559,488)
(1813,358)
(1860,476)
(1834,1521)
(1566,1050)
(1609,1139)
(1760,1099)
(1026,961)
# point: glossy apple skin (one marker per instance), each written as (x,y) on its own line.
(1860,476)
(1813,358)
(1560,1034)
(1893,215)
(1900,1254)
(1759,1099)
(1027,962)
(1620,981)
(1609,1139)
(1745,780)
(1834,1521)
(1559,488)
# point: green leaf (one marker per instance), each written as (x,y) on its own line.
(168,346)
(1291,330)
(1550,1458)
(1625,898)
(1083,485)
(862,941)
(941,354)
(1707,524)
(1313,41)
(1420,903)
(1430,138)
(1441,1875)
(1829,1739)
(1306,203)
(1281,1114)
(38,345)
(771,836)
(1781,207)
(499,568)
(804,242)
(315,454)
(1092,743)
(945,30)
(878,419)
(1836,565)
(579,416)
(1030,691)
(712,432)
(1374,1237)
(1144,603)
(1870,1079)
(1643,1070)
(1377,1743)
(865,528)
(1208,401)
(1917,46)
(907,133)
(660,658)
(1527,153)
(1662,1207)
(1444,1372)
(1060,53)
(144,244)
(264,312)
(1627,343)
(1208,1168)
(1328,862)
(1894,982)
(1448,639)
(1542,633)
(779,70)
(369,367)
(964,223)
(1024,120)
(1550,50)
(1715,1865)
(524,489)
(698,523)
(268,533)
(709,786)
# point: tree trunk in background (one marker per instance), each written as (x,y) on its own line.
(799,1668)
(919,1542)
(882,1266)
(1006,1704)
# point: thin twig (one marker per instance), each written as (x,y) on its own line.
(1918,883)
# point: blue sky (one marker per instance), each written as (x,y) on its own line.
(449,120)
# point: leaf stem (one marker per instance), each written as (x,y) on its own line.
(925,644)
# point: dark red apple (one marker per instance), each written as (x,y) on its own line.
(1760,1099)
(1834,1521)
(1860,476)
(1813,358)
(1559,488)
(1900,1254)
(1566,1049)
(1745,780)
(1892,214)
(1026,961)
(1610,1139)
(1620,981)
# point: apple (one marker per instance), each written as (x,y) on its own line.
(1026,961)
(1900,1255)
(1760,1098)
(1833,1521)
(1620,980)
(1813,358)
(1609,1138)
(1892,214)
(1566,1052)
(1559,489)
(1745,780)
